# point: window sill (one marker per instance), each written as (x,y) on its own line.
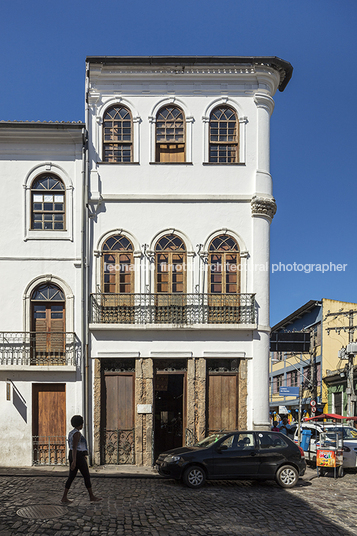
(47,235)
(171,163)
(119,163)
(223,163)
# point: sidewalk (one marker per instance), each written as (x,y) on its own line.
(113,471)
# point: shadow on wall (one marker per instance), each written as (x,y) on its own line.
(19,402)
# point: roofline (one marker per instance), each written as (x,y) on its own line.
(284,68)
(296,314)
(39,124)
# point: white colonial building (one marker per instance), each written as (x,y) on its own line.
(180,206)
(41,317)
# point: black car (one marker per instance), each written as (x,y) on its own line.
(235,455)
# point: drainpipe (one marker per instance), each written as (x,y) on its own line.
(85,278)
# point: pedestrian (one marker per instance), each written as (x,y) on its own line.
(284,426)
(275,427)
(78,451)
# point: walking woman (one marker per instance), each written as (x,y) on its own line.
(77,458)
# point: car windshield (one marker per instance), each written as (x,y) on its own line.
(208,441)
(348,431)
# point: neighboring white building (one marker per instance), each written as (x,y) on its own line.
(40,292)
(181,203)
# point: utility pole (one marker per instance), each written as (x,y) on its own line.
(351,397)
(313,375)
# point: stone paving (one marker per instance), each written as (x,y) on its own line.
(146,505)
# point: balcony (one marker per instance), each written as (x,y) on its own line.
(174,309)
(29,348)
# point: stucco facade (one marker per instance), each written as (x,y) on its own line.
(196,200)
(35,378)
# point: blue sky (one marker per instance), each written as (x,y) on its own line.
(43,46)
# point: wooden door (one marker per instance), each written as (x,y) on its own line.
(49,423)
(222,402)
(118,440)
(49,333)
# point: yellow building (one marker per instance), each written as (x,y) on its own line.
(328,334)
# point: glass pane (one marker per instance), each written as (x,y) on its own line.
(37,198)
(39,311)
(56,311)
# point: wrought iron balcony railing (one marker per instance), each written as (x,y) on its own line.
(179,309)
(38,348)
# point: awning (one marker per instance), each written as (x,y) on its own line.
(330,416)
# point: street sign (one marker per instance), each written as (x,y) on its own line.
(313,403)
(313,409)
(289,391)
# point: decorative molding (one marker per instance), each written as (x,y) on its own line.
(224,355)
(111,355)
(169,355)
(265,101)
(185,198)
(183,71)
(263,206)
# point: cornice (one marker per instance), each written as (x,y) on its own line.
(182,65)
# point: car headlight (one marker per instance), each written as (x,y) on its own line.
(172,459)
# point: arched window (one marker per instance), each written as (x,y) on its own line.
(170,256)
(118,265)
(224,263)
(170,135)
(47,203)
(223,135)
(117,135)
(48,325)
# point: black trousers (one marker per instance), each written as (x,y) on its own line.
(81,464)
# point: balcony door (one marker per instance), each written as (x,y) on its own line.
(224,281)
(48,325)
(117,300)
(170,284)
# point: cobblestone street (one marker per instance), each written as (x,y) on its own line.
(148,505)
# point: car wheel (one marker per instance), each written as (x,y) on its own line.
(340,472)
(287,476)
(194,477)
